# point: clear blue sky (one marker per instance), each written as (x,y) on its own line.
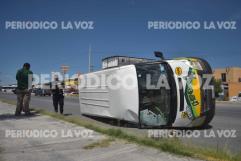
(120,29)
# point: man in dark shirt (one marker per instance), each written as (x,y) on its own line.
(23,91)
(58,95)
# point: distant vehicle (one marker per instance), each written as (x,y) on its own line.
(42,92)
(184,104)
(66,93)
(9,89)
(74,93)
(239,97)
(234,99)
(14,91)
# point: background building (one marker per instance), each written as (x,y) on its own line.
(231,80)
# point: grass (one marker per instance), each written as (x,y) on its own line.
(8,101)
(171,145)
(102,143)
(1,150)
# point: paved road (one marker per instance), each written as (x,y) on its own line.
(226,125)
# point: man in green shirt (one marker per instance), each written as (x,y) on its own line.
(23,91)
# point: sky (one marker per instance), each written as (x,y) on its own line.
(120,28)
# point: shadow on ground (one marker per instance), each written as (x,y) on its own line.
(10,116)
(122,123)
(113,122)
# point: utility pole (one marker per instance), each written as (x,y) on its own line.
(90,65)
(0,80)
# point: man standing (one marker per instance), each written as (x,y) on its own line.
(58,95)
(23,91)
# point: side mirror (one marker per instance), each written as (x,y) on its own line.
(159,54)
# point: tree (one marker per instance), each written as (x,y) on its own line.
(217,87)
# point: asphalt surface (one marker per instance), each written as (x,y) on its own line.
(224,131)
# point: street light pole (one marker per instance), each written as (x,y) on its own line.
(89,58)
(0,79)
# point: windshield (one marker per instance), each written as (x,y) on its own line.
(154,94)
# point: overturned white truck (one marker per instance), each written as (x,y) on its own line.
(165,93)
